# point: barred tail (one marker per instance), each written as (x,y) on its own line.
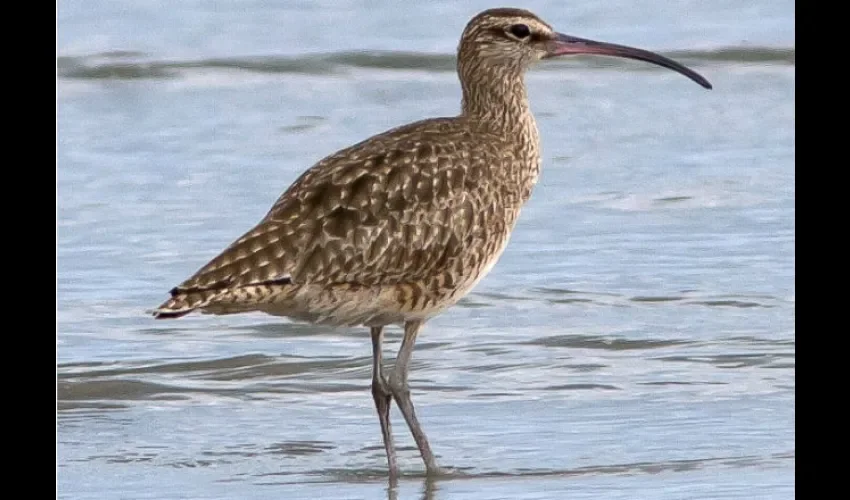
(184,301)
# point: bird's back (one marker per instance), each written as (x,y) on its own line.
(402,224)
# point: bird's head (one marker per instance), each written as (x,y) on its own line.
(512,40)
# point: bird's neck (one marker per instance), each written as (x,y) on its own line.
(501,102)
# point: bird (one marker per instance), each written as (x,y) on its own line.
(399,227)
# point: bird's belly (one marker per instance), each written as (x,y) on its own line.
(338,305)
(351,305)
(465,284)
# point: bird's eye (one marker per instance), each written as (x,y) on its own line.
(520,31)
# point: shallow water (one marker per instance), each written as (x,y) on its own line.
(636,340)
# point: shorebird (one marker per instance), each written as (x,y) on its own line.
(397,228)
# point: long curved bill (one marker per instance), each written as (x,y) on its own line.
(564,45)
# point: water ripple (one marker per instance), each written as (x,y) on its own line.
(124,65)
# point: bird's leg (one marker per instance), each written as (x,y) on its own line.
(383,398)
(401,393)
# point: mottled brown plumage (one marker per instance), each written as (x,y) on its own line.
(402,225)
(380,231)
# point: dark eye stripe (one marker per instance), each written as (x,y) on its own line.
(535,37)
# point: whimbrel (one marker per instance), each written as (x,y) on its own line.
(399,227)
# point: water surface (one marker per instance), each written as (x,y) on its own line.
(636,340)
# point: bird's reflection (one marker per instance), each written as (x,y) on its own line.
(429,488)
